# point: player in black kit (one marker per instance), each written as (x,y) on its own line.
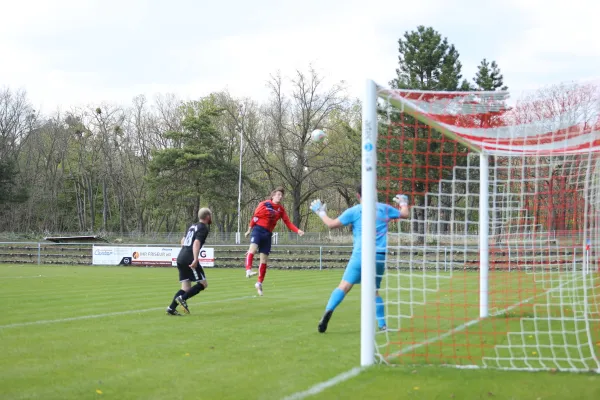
(187,262)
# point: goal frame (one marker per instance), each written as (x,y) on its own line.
(369,200)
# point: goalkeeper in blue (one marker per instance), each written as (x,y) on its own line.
(353,216)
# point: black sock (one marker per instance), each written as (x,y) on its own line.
(174,303)
(197,288)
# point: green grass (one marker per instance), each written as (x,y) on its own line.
(68,332)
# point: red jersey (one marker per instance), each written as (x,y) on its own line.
(268,213)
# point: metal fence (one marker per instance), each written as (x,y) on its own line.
(228,255)
(232,238)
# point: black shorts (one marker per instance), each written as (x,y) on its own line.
(187,274)
(262,238)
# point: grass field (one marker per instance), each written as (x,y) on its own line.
(101,333)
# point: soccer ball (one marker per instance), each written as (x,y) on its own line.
(318,135)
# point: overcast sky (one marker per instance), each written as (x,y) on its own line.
(75,52)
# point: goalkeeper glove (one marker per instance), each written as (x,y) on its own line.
(318,208)
(401,200)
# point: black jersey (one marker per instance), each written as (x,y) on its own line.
(195,232)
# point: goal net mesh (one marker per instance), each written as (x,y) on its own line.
(543,237)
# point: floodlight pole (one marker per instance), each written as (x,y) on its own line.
(238,236)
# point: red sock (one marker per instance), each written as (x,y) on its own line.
(262,271)
(249,258)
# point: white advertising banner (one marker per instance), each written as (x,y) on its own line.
(139,255)
(206,257)
(111,255)
(154,256)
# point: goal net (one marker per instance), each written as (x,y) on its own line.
(498,264)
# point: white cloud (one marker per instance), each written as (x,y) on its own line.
(69,52)
(560,43)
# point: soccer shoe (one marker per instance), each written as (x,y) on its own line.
(258,287)
(250,273)
(383,328)
(173,312)
(183,304)
(324,321)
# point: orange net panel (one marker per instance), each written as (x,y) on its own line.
(543,309)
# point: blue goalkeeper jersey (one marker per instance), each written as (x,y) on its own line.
(353,215)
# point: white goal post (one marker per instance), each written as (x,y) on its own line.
(498,263)
(369,198)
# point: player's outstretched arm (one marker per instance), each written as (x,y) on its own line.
(320,209)
(402,201)
(290,224)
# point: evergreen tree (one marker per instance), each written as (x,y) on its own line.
(488,77)
(427,62)
(195,170)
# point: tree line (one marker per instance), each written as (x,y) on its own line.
(150,165)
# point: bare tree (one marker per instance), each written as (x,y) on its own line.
(566,110)
(167,117)
(41,158)
(17,120)
(282,146)
(106,122)
(135,157)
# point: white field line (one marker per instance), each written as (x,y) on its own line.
(459,328)
(476,320)
(56,321)
(70,276)
(319,387)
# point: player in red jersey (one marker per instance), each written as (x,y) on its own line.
(261,226)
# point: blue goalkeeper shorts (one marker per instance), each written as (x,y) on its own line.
(352,273)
